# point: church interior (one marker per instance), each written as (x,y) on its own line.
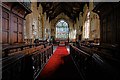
(60,40)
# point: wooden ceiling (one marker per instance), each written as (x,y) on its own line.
(71,9)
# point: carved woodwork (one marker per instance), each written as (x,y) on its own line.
(13,16)
(95,65)
(26,63)
(5,27)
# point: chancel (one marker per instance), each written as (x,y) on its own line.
(60,40)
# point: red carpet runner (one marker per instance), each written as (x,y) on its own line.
(54,62)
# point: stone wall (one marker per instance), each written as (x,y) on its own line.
(94,22)
(37,25)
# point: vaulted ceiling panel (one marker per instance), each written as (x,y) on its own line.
(71,9)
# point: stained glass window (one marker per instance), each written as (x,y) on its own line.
(62,30)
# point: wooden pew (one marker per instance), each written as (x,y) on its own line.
(94,66)
(25,64)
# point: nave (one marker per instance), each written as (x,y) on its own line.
(60,66)
(78,65)
(59,40)
(60,63)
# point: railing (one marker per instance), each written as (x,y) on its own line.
(92,66)
(25,64)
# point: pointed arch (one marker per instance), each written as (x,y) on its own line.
(62,30)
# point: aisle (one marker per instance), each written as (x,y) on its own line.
(59,66)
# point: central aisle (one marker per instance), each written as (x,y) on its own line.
(59,66)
